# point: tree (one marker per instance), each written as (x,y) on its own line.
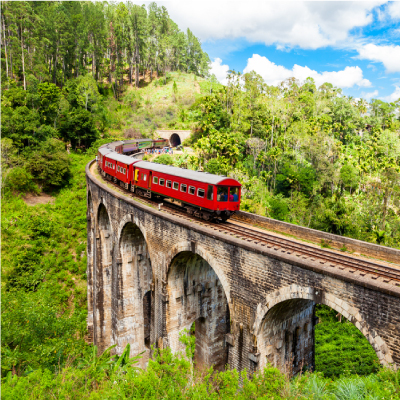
(49,164)
(137,35)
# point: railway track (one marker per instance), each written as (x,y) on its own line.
(283,245)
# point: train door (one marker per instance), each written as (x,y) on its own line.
(136,176)
(150,178)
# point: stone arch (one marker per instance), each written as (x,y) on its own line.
(175,140)
(133,280)
(195,294)
(199,250)
(103,279)
(303,300)
(90,260)
(133,219)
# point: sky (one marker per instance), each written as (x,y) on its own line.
(353,45)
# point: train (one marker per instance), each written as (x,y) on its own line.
(135,145)
(201,194)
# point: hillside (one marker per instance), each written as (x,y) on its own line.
(155,105)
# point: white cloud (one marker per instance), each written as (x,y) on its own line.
(310,25)
(388,55)
(394,96)
(394,10)
(219,70)
(274,74)
(370,95)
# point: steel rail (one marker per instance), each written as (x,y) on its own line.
(287,246)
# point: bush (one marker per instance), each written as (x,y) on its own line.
(49,164)
(20,180)
(165,159)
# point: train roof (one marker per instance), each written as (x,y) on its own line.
(104,150)
(121,158)
(204,177)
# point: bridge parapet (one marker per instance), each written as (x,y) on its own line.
(369,249)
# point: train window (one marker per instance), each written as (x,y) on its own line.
(176,186)
(141,177)
(168,185)
(145,177)
(118,168)
(222,193)
(192,190)
(200,192)
(183,188)
(161,182)
(155,179)
(124,170)
(234,194)
(210,191)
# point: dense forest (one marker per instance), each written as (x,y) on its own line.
(78,74)
(307,155)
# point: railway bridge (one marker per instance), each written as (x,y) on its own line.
(154,272)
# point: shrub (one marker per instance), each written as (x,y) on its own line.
(164,159)
(20,180)
(49,164)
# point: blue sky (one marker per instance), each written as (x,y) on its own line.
(354,45)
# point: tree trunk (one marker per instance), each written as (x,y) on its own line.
(386,197)
(5,45)
(136,62)
(272,135)
(23,57)
(93,66)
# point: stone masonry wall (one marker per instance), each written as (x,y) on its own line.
(252,278)
(369,249)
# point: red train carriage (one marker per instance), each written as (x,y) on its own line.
(119,168)
(100,156)
(202,194)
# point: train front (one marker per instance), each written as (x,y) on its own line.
(227,197)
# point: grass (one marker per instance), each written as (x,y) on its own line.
(155,106)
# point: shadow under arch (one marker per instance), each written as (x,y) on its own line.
(103,280)
(133,281)
(284,327)
(196,295)
(175,140)
(185,246)
(131,218)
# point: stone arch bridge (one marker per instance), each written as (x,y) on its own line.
(152,274)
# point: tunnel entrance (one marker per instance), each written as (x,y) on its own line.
(196,296)
(175,140)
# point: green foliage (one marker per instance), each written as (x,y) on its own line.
(165,159)
(49,164)
(43,273)
(20,180)
(170,376)
(340,347)
(305,154)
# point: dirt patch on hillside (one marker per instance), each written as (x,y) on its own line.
(43,198)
